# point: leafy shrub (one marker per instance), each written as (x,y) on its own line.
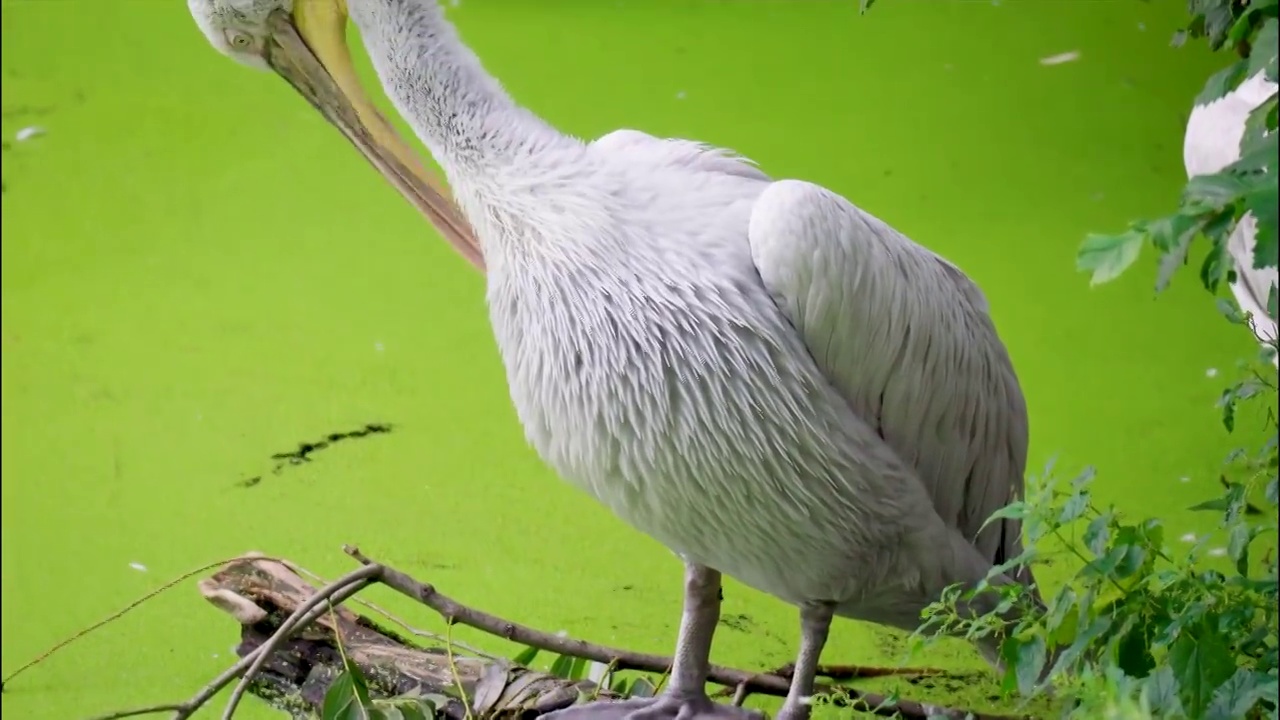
(1141,631)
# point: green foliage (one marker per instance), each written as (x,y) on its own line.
(1212,205)
(1141,630)
(574,668)
(1140,626)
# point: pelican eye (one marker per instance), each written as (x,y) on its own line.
(239,40)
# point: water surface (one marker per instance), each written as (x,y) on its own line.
(199,273)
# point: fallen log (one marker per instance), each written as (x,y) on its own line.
(297,640)
(260,594)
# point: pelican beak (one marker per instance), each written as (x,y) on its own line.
(309,50)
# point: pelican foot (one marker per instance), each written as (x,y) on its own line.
(663,707)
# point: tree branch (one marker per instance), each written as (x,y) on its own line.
(291,632)
(453,611)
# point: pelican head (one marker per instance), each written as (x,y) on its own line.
(304,42)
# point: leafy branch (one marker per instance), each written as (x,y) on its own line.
(1212,206)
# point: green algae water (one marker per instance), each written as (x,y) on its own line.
(199,273)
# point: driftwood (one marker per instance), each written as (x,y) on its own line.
(293,636)
(260,594)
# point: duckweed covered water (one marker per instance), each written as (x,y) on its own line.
(198,273)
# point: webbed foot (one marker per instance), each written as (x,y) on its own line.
(668,706)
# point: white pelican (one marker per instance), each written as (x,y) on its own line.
(1214,132)
(771,382)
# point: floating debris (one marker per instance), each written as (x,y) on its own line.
(26,133)
(1211,372)
(1188,538)
(1061,58)
(680,95)
(1218,552)
(377,347)
(138,566)
(306,450)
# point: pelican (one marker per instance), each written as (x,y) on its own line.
(1212,142)
(771,382)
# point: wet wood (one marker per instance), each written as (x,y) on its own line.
(260,594)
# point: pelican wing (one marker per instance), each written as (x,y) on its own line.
(905,336)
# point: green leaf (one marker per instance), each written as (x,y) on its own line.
(1241,29)
(1108,255)
(1171,260)
(525,656)
(1215,505)
(1262,56)
(1260,122)
(1132,553)
(642,688)
(1217,191)
(1074,507)
(1222,82)
(1097,534)
(1167,231)
(1201,662)
(348,696)
(1257,148)
(1241,537)
(1026,659)
(1263,203)
(1063,604)
(1236,697)
(1161,691)
(1218,20)
(864,6)
(1230,311)
(417,710)
(563,667)
(1083,640)
(1016,510)
(1216,266)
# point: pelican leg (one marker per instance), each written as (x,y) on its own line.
(697,629)
(815,624)
(685,696)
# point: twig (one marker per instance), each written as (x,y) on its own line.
(452,610)
(137,712)
(124,611)
(739,694)
(855,672)
(417,632)
(334,593)
(453,669)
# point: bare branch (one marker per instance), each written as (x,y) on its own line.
(453,611)
(247,587)
(334,593)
